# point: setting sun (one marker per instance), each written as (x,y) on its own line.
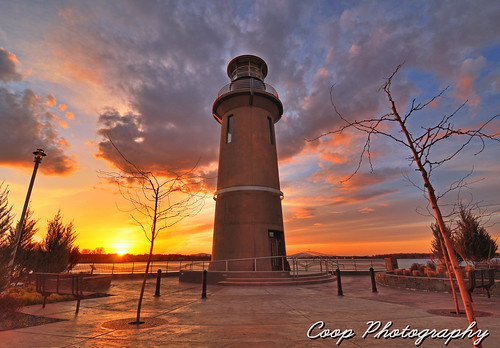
(121,249)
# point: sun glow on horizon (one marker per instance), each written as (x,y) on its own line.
(122,249)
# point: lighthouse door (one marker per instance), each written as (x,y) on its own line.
(277,241)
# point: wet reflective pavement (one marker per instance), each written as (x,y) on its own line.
(247,316)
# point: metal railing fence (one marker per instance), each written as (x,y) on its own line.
(295,265)
(129,267)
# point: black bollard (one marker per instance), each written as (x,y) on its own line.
(339,283)
(158,281)
(204,288)
(374,285)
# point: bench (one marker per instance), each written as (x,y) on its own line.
(481,278)
(76,285)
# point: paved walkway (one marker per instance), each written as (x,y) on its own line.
(250,317)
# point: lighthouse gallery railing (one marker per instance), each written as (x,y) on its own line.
(250,84)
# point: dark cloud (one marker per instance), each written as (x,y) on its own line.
(167,60)
(25,125)
(159,147)
(365,44)
(8,63)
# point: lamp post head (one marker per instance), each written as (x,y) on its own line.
(39,154)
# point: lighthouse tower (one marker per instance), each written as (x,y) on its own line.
(248,227)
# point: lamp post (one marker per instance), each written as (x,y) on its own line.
(39,154)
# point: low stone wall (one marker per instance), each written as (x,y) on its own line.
(424,283)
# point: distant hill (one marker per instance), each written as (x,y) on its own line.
(142,257)
(405,256)
(312,254)
(92,257)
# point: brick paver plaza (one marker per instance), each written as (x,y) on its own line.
(267,316)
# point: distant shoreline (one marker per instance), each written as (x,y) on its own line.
(114,257)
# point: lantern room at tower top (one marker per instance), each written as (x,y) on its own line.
(247,66)
(247,73)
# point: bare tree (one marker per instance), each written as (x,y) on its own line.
(394,126)
(156,202)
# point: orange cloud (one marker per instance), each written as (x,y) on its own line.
(334,158)
(62,123)
(302,213)
(51,100)
(464,87)
(361,180)
(8,66)
(63,142)
(465,90)
(435,102)
(82,72)
(12,57)
(337,140)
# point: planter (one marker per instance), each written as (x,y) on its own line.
(469,268)
(441,269)
(415,283)
(431,274)
(423,283)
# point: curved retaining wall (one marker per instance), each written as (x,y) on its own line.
(423,283)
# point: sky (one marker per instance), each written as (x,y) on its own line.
(147,73)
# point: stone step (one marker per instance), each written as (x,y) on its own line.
(275,279)
(252,274)
(302,280)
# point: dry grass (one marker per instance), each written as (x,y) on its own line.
(16,297)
